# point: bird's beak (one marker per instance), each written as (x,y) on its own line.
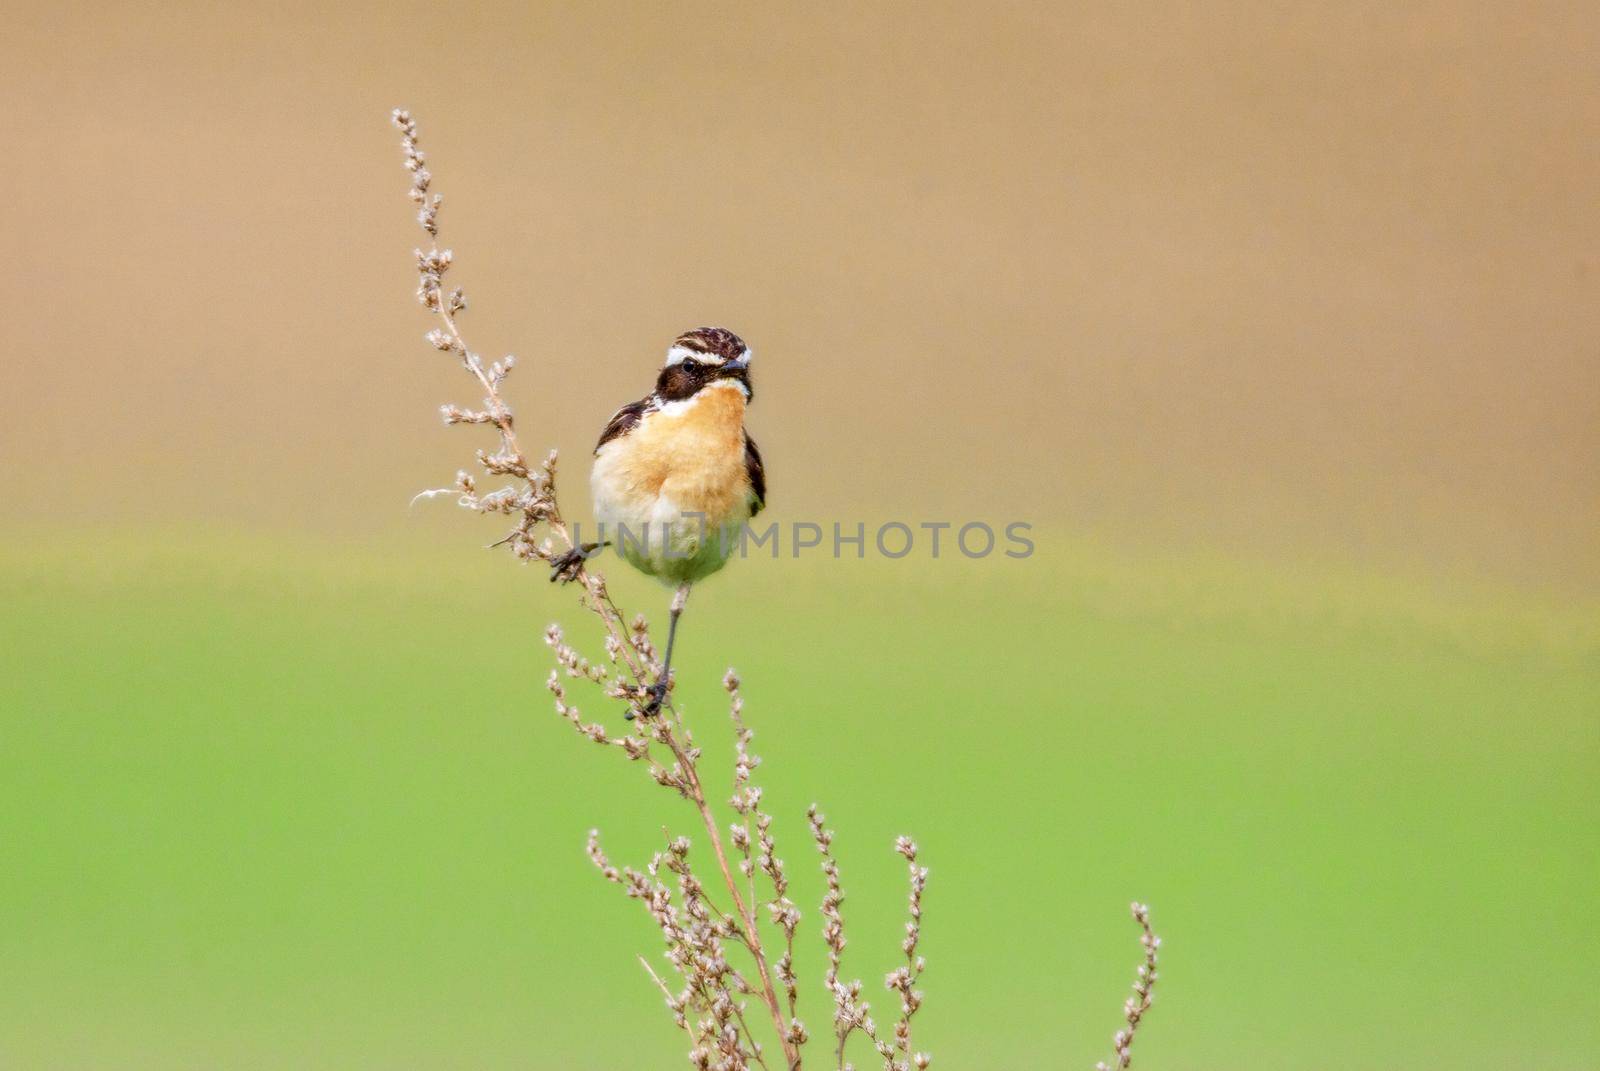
(740,363)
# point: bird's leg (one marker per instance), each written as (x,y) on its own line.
(564,567)
(658,690)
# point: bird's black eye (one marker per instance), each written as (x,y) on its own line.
(691,364)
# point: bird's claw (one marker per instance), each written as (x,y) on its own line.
(565,567)
(657,693)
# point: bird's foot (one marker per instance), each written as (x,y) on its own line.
(565,567)
(657,694)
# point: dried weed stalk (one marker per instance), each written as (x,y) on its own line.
(729,955)
(1144,983)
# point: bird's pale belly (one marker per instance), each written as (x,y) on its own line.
(673,495)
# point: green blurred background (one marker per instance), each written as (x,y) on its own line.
(1278,321)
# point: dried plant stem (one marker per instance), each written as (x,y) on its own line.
(671,1000)
(538,505)
(850,1012)
(903,980)
(745,911)
(1135,1007)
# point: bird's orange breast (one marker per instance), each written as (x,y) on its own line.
(689,454)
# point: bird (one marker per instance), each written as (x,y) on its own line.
(676,475)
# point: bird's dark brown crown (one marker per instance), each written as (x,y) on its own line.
(716,341)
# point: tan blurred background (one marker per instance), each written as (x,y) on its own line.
(1314,280)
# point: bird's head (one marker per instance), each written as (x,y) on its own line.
(701,358)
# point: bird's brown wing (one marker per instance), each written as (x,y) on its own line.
(757,473)
(622,421)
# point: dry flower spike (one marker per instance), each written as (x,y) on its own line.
(1135,1007)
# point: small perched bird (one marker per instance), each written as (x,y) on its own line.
(676,475)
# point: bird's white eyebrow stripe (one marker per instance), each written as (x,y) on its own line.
(678,354)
